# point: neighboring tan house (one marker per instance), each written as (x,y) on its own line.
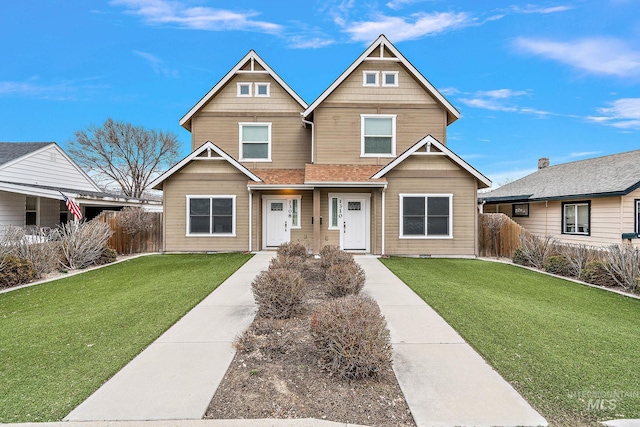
(594,201)
(32,175)
(365,166)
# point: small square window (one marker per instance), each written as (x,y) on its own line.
(389,78)
(262,89)
(244,89)
(520,210)
(370,78)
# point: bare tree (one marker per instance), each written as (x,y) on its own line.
(135,220)
(121,153)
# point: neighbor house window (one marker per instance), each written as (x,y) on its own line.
(425,216)
(576,218)
(64,212)
(244,89)
(263,89)
(637,215)
(370,78)
(211,215)
(378,135)
(31,211)
(389,78)
(520,210)
(255,141)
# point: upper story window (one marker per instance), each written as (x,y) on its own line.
(576,218)
(255,142)
(370,78)
(244,89)
(263,89)
(389,78)
(378,135)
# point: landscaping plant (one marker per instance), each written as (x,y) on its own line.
(577,255)
(293,249)
(278,292)
(344,279)
(331,255)
(536,249)
(623,264)
(596,273)
(82,243)
(558,264)
(15,271)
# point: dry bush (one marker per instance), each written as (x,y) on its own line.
(293,249)
(135,220)
(82,243)
(34,245)
(623,264)
(278,292)
(534,249)
(270,337)
(107,256)
(596,273)
(578,255)
(15,271)
(287,261)
(332,255)
(351,337)
(344,279)
(558,264)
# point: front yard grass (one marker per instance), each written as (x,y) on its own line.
(60,341)
(571,350)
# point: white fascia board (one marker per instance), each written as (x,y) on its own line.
(206,146)
(279,187)
(343,184)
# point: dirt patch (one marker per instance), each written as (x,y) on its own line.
(276,374)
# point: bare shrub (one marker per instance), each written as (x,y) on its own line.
(278,292)
(15,271)
(535,249)
(286,261)
(596,273)
(332,255)
(134,220)
(351,337)
(557,264)
(578,255)
(34,245)
(82,243)
(270,337)
(293,249)
(623,264)
(344,279)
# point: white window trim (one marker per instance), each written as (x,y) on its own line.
(393,134)
(384,78)
(426,237)
(239,84)
(240,142)
(290,200)
(268,94)
(575,208)
(364,78)
(209,196)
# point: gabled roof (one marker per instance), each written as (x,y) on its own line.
(209,147)
(252,58)
(440,149)
(328,175)
(383,43)
(14,150)
(614,175)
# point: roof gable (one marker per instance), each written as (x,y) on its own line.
(613,175)
(206,150)
(250,63)
(383,50)
(431,146)
(10,151)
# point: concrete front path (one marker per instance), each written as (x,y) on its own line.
(177,375)
(445,382)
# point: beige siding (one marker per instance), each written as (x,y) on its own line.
(290,141)
(338,131)
(303,235)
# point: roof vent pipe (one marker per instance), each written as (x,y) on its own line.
(543,163)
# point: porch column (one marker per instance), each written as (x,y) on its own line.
(316,221)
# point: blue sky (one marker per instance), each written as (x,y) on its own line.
(557,79)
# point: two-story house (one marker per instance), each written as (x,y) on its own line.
(365,166)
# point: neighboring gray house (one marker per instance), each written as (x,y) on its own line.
(32,174)
(592,201)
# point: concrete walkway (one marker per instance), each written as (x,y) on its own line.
(445,382)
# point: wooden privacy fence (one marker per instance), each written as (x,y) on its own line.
(507,238)
(147,241)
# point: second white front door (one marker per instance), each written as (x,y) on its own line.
(354,227)
(277,227)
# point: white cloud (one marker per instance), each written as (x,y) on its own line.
(302,42)
(606,56)
(157,64)
(495,100)
(623,113)
(174,12)
(530,8)
(407,28)
(399,4)
(61,91)
(583,154)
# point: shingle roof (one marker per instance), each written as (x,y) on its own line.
(341,173)
(613,175)
(14,150)
(279,176)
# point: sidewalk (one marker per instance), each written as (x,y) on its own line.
(445,382)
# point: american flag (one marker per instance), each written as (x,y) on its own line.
(73,207)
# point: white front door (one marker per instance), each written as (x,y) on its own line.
(277,226)
(354,227)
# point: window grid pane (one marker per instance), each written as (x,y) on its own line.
(255,151)
(211,215)
(413,216)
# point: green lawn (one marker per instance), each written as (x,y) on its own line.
(61,340)
(562,345)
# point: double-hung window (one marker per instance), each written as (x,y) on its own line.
(255,142)
(211,215)
(425,216)
(576,218)
(378,135)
